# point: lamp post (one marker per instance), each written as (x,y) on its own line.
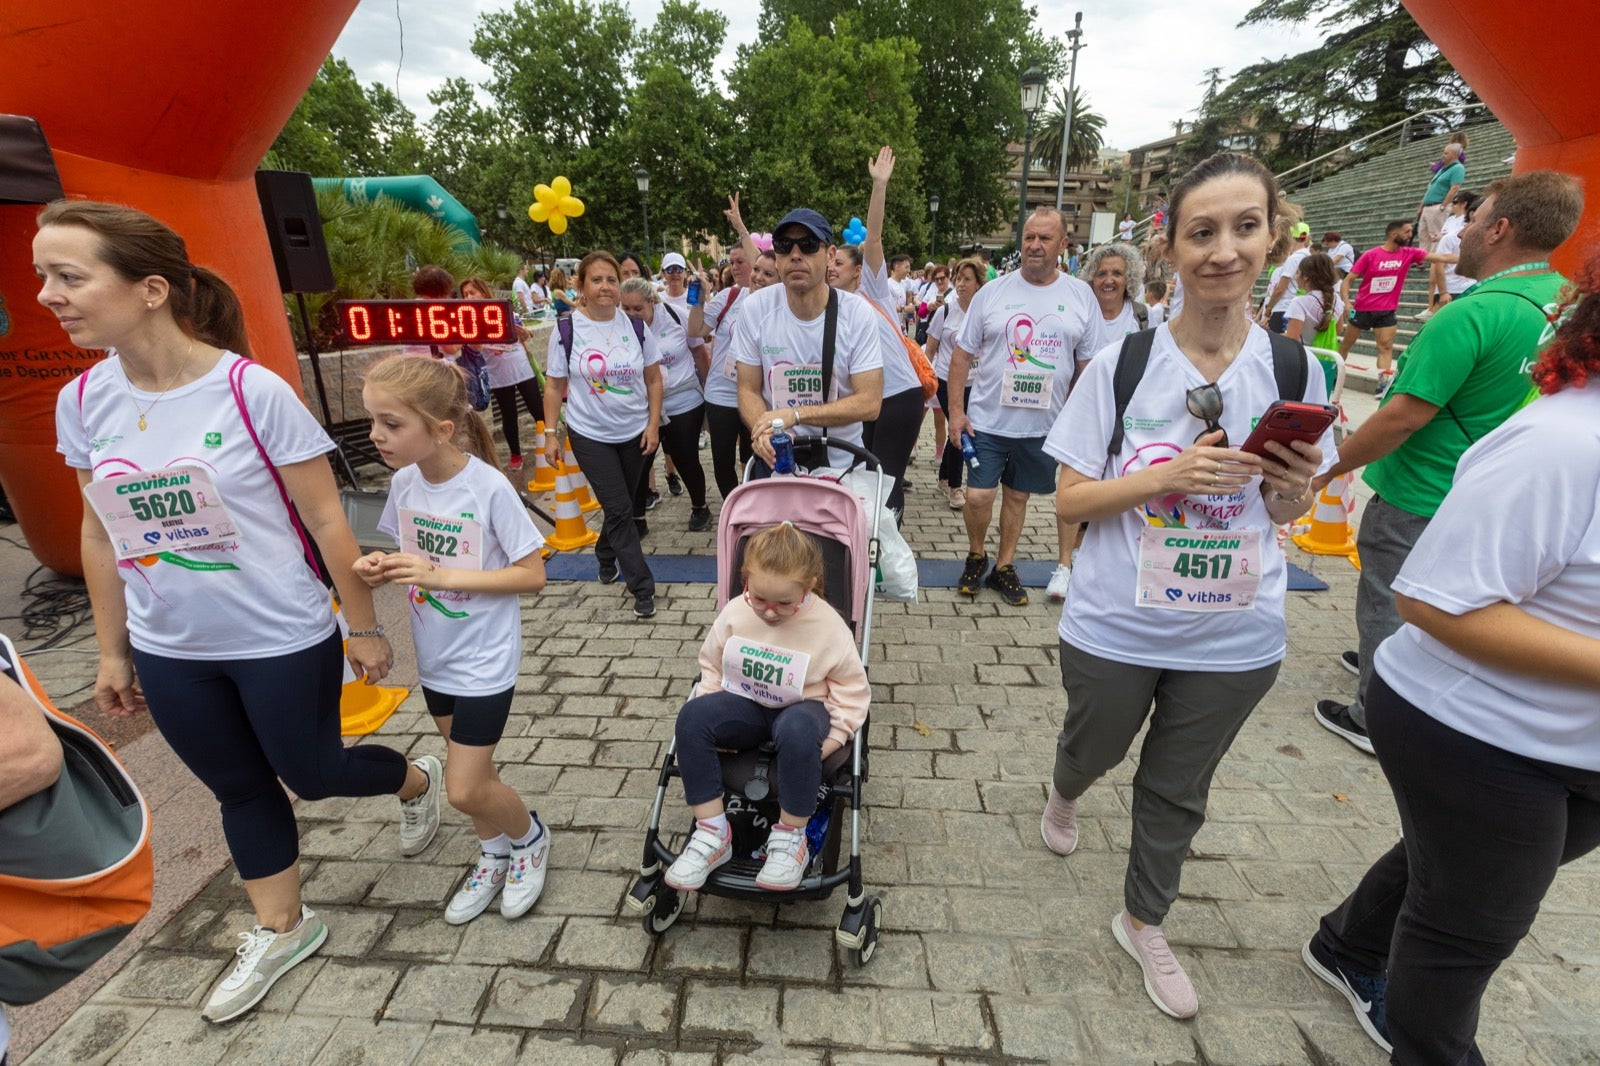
(1032,96)
(933,237)
(1075,35)
(500,213)
(642,176)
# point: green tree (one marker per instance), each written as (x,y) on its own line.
(1088,133)
(970,55)
(1374,68)
(812,110)
(558,70)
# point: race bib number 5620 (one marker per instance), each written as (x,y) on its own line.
(172,509)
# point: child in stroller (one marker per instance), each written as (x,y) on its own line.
(779,663)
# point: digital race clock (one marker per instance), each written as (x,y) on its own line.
(427,321)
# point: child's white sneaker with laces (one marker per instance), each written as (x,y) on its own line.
(704,851)
(788,855)
(482,885)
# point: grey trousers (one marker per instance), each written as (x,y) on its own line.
(1385,539)
(1197,714)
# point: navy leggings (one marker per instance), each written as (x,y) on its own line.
(242,725)
(723,720)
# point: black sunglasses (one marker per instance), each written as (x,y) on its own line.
(808,245)
(1205,403)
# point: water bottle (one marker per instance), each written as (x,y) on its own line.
(817,827)
(694,291)
(969,451)
(782,449)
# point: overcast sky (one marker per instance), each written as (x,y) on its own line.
(1141,67)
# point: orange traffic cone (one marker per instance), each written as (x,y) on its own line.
(1330,524)
(544,475)
(363,708)
(580,484)
(571,531)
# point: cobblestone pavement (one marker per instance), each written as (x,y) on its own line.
(995,950)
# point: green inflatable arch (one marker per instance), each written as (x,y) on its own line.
(418,192)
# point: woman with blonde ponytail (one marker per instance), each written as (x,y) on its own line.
(467,550)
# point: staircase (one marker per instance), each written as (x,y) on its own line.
(1361,200)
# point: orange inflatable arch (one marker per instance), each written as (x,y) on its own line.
(170,107)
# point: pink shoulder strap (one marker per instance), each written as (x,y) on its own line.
(236,383)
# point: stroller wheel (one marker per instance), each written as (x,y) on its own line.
(871,927)
(668,905)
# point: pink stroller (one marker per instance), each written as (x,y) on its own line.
(835,518)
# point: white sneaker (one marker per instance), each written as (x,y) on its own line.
(1423,315)
(958,498)
(419,818)
(264,956)
(482,885)
(703,852)
(1059,580)
(525,875)
(787,857)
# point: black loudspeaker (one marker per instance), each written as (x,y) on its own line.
(289,208)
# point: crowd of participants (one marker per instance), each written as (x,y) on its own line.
(1478,651)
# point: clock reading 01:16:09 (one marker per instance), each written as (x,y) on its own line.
(427,321)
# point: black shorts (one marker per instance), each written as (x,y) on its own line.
(1374,319)
(477,721)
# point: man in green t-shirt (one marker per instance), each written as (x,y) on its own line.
(1445,184)
(1466,372)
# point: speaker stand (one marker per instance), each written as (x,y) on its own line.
(343,465)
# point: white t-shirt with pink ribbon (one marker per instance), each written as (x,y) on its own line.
(606,396)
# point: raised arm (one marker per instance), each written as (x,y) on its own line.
(881,169)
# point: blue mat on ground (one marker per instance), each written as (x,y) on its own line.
(931,573)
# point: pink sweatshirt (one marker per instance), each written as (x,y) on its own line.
(834,675)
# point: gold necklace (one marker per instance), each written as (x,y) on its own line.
(162,395)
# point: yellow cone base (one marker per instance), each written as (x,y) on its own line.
(363,708)
(1330,532)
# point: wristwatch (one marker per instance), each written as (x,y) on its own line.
(375,631)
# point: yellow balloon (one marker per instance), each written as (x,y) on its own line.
(558,224)
(545,195)
(539,213)
(562,187)
(570,206)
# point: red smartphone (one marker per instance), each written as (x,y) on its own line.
(1287,421)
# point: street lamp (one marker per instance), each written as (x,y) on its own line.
(1075,35)
(500,213)
(642,176)
(1033,81)
(933,237)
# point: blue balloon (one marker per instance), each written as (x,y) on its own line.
(855,232)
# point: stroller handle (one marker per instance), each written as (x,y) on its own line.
(861,455)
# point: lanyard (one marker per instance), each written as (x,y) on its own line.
(1538,265)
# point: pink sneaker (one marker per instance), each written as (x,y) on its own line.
(1059,826)
(1164,980)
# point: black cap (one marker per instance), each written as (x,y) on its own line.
(813,221)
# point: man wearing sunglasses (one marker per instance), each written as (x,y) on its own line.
(1022,340)
(778,345)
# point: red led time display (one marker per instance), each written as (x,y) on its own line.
(427,321)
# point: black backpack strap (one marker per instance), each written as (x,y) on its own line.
(1131,361)
(564,332)
(1141,314)
(638,330)
(830,334)
(668,309)
(1289,366)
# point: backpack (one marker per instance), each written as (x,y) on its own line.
(564,332)
(477,370)
(914,352)
(1289,368)
(1141,314)
(76,867)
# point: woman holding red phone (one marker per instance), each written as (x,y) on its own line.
(1176,612)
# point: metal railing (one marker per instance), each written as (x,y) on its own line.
(1365,144)
(1345,154)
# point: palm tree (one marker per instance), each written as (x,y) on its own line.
(1088,132)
